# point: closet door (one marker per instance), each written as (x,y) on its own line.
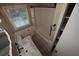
(44,19)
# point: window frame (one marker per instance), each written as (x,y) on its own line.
(28,15)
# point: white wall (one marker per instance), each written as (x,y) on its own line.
(69,41)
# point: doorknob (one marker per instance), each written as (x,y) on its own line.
(52,28)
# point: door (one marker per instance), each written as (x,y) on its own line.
(44,19)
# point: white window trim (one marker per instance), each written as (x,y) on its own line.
(19,6)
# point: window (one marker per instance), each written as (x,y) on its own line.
(18,16)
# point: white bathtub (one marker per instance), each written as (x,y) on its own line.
(29,48)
